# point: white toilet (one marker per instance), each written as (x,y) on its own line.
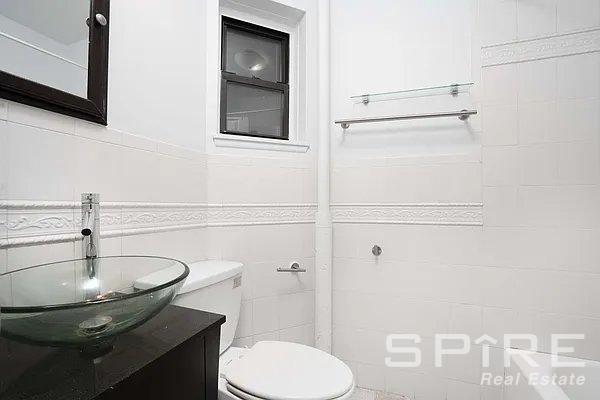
(268,370)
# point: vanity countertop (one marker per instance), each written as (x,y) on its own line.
(154,350)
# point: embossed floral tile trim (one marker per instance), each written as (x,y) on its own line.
(430,214)
(31,223)
(25,223)
(547,47)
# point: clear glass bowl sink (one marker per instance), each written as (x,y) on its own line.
(82,302)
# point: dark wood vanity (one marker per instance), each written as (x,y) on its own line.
(175,355)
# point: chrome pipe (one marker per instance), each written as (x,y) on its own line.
(462,115)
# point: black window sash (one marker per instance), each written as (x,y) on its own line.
(257,83)
(257,30)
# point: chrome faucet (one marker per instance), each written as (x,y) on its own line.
(90,229)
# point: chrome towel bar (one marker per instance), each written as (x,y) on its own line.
(462,115)
(295,267)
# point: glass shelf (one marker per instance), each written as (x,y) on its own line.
(452,90)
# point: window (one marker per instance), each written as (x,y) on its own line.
(254,80)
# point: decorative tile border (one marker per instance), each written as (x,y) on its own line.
(547,47)
(409,214)
(26,223)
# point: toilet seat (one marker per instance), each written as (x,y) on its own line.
(287,371)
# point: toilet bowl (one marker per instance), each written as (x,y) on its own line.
(269,370)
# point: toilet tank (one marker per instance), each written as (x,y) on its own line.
(214,286)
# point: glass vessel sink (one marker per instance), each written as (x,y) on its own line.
(86,302)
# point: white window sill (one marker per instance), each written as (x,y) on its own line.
(244,142)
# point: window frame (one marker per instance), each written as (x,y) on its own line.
(283,87)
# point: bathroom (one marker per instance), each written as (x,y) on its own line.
(404,196)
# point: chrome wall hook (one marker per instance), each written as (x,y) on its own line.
(376,250)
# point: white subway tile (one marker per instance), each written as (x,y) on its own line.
(536,18)
(430,386)
(580,290)
(268,336)
(22,257)
(499,321)
(500,206)
(296,309)
(590,250)
(577,15)
(4,160)
(245,342)
(588,348)
(538,164)
(491,393)
(390,313)
(578,76)
(3,261)
(41,164)
(457,390)
(139,179)
(97,132)
(139,142)
(464,367)
(500,84)
(107,161)
(359,345)
(244,327)
(579,163)
(400,381)
(304,334)
(309,186)
(497,287)
(466,319)
(560,206)
(37,117)
(500,125)
(578,120)
(368,376)
(550,248)
(6,296)
(182,245)
(501,166)
(265,315)
(538,122)
(537,80)
(3,110)
(498,21)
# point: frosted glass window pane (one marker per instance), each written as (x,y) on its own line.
(252,55)
(254,111)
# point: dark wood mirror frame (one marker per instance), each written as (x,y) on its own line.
(94,108)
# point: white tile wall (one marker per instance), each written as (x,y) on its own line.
(577,15)
(531,268)
(275,304)
(4,171)
(536,18)
(498,21)
(44,156)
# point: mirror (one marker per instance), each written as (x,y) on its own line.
(55,55)
(46,42)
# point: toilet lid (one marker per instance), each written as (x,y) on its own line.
(289,371)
